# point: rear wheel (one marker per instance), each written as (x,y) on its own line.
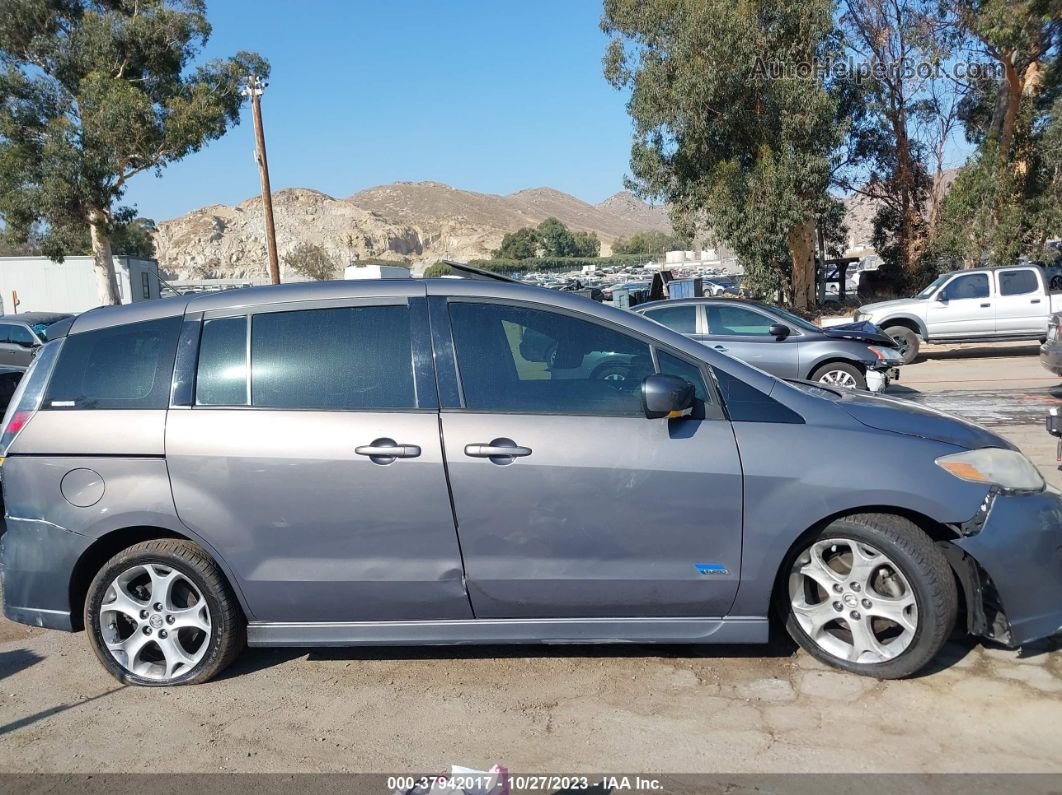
(907,341)
(870,594)
(840,374)
(161,613)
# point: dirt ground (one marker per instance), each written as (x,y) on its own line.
(589,709)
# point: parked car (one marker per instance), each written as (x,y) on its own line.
(639,290)
(980,305)
(375,462)
(855,356)
(21,335)
(1051,349)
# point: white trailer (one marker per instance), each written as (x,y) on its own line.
(36,284)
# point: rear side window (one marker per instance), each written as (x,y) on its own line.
(324,359)
(1018,282)
(120,367)
(681,318)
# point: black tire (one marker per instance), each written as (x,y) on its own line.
(908,341)
(228,628)
(857,375)
(918,560)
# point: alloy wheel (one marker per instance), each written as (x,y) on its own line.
(839,378)
(155,622)
(853,601)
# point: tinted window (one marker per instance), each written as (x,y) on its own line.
(1018,282)
(343,358)
(672,365)
(121,367)
(682,318)
(736,321)
(222,376)
(747,404)
(516,359)
(973,286)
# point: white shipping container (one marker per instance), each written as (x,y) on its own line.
(40,285)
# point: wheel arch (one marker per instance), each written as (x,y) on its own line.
(835,358)
(915,324)
(110,544)
(938,532)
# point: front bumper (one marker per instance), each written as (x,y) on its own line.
(1019,547)
(37,560)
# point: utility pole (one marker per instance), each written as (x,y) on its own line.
(254,90)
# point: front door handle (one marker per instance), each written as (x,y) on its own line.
(1035,301)
(499,451)
(719,347)
(985,306)
(384,451)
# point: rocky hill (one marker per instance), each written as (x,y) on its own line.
(419,222)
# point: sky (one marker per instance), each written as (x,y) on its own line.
(485,95)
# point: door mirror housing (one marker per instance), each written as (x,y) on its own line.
(780,331)
(942,295)
(667,396)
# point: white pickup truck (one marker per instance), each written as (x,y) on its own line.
(981,305)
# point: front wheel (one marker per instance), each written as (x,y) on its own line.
(870,594)
(161,613)
(906,340)
(842,374)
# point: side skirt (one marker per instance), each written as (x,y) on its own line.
(522,630)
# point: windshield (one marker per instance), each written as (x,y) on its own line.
(795,320)
(932,288)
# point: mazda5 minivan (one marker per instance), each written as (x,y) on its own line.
(394,462)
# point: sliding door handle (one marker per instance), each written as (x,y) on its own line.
(499,451)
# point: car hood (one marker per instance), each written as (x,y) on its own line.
(862,331)
(910,419)
(898,303)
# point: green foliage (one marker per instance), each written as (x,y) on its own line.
(543,264)
(312,261)
(521,244)
(437,269)
(717,133)
(651,244)
(551,238)
(95,93)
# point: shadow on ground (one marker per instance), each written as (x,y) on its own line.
(11,662)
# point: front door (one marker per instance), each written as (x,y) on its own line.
(317,472)
(965,311)
(569,502)
(745,334)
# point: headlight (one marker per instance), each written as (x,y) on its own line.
(1007,469)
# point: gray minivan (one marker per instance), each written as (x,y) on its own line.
(394,462)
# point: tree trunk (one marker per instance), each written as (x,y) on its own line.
(106,281)
(1013,100)
(802,254)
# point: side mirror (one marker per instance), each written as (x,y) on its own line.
(666,396)
(780,331)
(942,296)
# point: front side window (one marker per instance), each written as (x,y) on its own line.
(341,358)
(682,318)
(518,359)
(1018,282)
(120,367)
(736,321)
(973,286)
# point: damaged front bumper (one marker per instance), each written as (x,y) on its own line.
(1009,558)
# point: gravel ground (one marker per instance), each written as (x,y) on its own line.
(652,709)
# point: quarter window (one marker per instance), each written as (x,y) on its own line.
(682,318)
(1018,282)
(120,367)
(736,321)
(222,378)
(341,358)
(672,365)
(517,359)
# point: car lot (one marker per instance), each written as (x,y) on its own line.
(560,709)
